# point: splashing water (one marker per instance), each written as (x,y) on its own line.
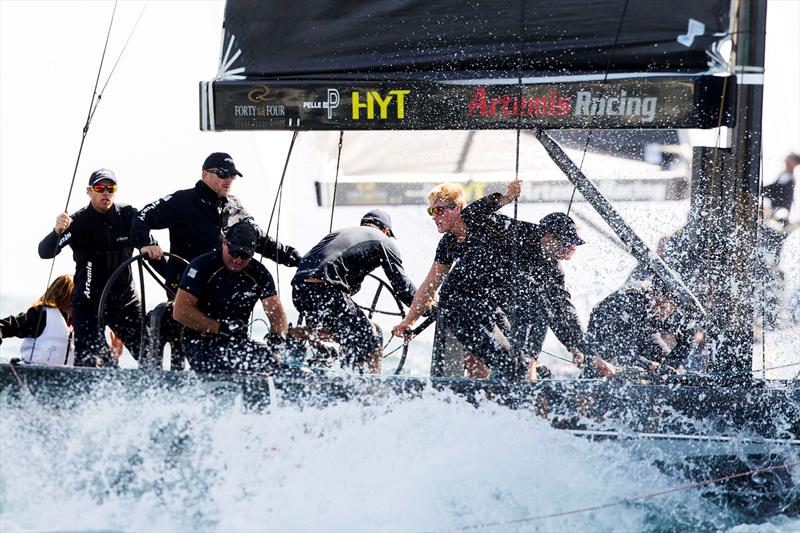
(186,462)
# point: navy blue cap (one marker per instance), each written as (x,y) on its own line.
(380,218)
(242,238)
(221,161)
(102,174)
(562,226)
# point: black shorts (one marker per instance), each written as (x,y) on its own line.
(327,308)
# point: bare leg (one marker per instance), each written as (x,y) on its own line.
(475,367)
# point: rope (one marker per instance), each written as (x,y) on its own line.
(784,466)
(336,180)
(95,100)
(605,79)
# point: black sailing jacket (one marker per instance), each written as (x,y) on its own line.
(100,243)
(196,219)
(345,257)
(504,263)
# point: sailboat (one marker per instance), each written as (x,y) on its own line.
(529,67)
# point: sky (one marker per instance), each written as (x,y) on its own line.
(146,126)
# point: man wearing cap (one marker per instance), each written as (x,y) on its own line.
(333,271)
(513,265)
(197,218)
(99,237)
(216,296)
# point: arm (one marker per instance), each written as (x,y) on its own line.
(478,210)
(280,253)
(156,215)
(423,298)
(56,240)
(278,322)
(186,311)
(31,324)
(393,268)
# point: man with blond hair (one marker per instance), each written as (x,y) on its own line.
(445,202)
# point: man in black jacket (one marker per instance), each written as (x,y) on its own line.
(197,219)
(333,271)
(625,329)
(99,237)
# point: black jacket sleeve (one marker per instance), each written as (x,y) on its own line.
(160,214)
(280,253)
(393,268)
(475,214)
(31,323)
(563,317)
(52,244)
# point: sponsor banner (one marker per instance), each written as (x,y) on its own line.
(392,193)
(678,102)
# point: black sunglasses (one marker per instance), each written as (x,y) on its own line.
(240,254)
(221,174)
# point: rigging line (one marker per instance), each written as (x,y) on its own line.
(336,180)
(119,57)
(605,80)
(92,107)
(520,55)
(762,285)
(277,231)
(280,184)
(680,488)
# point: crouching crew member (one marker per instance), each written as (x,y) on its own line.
(46,327)
(216,296)
(333,271)
(628,327)
(99,237)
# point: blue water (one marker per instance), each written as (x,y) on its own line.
(175,462)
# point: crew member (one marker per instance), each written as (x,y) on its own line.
(781,192)
(99,237)
(216,296)
(503,258)
(626,329)
(450,358)
(333,271)
(198,217)
(46,327)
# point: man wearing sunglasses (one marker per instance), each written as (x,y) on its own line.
(216,296)
(198,217)
(99,237)
(445,202)
(334,270)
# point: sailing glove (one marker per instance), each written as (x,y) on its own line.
(232,328)
(292,257)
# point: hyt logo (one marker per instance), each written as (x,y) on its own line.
(396,96)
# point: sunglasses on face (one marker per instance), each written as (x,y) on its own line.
(439,209)
(104,188)
(241,255)
(221,174)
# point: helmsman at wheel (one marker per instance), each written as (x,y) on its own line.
(198,217)
(217,293)
(99,237)
(334,270)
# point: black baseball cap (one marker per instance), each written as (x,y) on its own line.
(562,226)
(242,238)
(380,218)
(221,161)
(102,174)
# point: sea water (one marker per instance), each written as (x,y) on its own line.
(181,461)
